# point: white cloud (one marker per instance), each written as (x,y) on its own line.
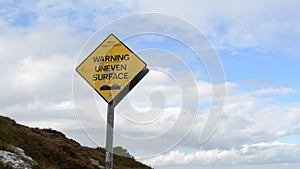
(36,78)
(232,25)
(248,119)
(239,25)
(37,62)
(256,154)
(275,91)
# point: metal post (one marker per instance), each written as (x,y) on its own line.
(109,136)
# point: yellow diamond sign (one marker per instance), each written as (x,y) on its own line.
(111,68)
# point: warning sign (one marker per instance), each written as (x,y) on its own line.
(110,68)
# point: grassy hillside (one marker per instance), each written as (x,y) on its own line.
(52,150)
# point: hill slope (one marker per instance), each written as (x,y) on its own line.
(50,149)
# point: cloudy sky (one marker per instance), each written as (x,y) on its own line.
(222,91)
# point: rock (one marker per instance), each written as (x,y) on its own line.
(96,163)
(17,159)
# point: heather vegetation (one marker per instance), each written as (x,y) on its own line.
(52,150)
